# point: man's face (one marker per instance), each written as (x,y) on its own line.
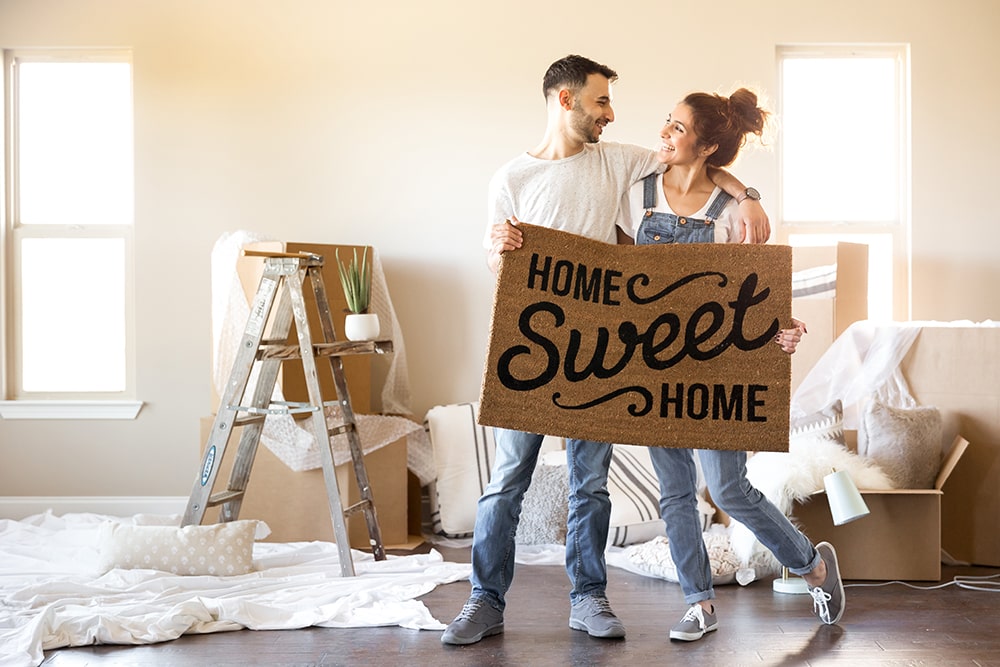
(592,109)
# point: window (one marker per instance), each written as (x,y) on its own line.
(844,155)
(69,227)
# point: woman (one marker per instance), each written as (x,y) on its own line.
(683,206)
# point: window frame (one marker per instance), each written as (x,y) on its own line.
(18,404)
(898,230)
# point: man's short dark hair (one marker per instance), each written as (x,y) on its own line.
(572,72)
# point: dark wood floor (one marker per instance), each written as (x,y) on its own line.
(891,625)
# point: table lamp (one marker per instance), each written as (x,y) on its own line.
(846,505)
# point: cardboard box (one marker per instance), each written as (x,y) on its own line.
(295,504)
(827,317)
(899,540)
(955,368)
(357,368)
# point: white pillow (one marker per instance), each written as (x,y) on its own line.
(463,458)
(221,549)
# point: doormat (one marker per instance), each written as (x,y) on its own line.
(656,345)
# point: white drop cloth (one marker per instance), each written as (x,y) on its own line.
(52,596)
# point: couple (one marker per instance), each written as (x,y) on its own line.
(574,182)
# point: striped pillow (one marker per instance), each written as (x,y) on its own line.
(635,496)
(817,282)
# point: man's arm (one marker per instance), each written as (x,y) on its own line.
(757,228)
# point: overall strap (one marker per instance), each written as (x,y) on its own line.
(649,191)
(718,205)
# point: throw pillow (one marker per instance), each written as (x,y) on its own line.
(464,453)
(545,505)
(222,549)
(463,458)
(635,496)
(654,558)
(905,442)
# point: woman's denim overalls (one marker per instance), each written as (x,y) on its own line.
(724,470)
(669,228)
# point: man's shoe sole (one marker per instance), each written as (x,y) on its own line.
(609,634)
(464,641)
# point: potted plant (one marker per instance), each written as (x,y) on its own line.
(356,279)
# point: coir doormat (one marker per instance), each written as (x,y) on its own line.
(657,345)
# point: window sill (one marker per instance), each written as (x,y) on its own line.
(69,409)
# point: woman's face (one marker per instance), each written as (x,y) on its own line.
(680,143)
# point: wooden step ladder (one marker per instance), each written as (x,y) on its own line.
(278,302)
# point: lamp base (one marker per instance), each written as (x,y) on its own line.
(790,584)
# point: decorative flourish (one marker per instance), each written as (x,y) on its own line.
(634,408)
(643,280)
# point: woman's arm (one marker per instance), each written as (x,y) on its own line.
(756,227)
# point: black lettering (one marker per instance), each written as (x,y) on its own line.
(744,301)
(753,402)
(693,337)
(722,409)
(651,347)
(562,277)
(541,273)
(595,367)
(610,286)
(666,400)
(587,290)
(504,373)
(697,403)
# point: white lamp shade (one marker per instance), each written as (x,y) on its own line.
(846,503)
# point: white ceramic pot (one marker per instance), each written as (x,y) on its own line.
(361,326)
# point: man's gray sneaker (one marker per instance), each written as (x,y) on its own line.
(593,615)
(695,624)
(828,599)
(477,619)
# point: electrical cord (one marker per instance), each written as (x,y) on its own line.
(989,583)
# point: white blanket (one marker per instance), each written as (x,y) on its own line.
(51,594)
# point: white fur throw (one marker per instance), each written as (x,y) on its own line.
(785,478)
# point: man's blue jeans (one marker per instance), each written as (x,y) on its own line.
(499,511)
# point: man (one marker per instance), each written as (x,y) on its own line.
(573,182)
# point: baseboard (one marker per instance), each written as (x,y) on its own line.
(20,507)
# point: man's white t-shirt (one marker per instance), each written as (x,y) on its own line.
(581,194)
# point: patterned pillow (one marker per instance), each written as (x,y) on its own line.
(221,549)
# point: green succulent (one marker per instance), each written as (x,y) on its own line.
(357,281)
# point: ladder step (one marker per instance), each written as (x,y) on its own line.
(223,497)
(336,349)
(249,419)
(343,428)
(357,507)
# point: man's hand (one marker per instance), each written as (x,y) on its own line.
(756,227)
(789,339)
(503,237)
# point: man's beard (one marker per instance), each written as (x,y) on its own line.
(585,126)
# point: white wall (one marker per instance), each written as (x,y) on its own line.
(381,123)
